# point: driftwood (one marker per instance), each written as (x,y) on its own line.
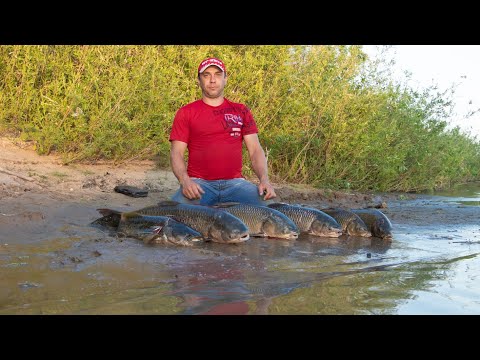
(17,175)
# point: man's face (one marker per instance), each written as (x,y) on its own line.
(212,82)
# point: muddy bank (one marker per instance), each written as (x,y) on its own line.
(38,193)
(54,262)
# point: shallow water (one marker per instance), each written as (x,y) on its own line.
(53,262)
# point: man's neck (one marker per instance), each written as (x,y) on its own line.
(213,102)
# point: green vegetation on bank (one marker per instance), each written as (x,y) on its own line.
(327,116)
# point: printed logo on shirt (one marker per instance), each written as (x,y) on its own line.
(231,121)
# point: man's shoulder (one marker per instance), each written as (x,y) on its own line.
(191,105)
(237,105)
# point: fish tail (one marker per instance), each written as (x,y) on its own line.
(106,212)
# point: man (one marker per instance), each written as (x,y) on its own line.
(213,130)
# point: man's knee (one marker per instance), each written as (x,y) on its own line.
(179,197)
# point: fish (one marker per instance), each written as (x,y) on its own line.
(262,221)
(351,223)
(110,219)
(309,220)
(149,229)
(214,224)
(377,222)
(158,229)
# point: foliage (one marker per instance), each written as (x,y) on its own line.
(326,115)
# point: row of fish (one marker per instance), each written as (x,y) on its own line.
(184,224)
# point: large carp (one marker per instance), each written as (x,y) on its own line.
(376,221)
(309,220)
(149,229)
(214,224)
(351,223)
(262,221)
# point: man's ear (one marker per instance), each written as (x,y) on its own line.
(198,81)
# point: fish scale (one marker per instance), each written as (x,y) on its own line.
(215,224)
(377,222)
(351,223)
(310,220)
(158,229)
(303,218)
(262,220)
(149,229)
(193,217)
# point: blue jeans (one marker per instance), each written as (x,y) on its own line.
(220,191)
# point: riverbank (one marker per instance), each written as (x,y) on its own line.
(53,262)
(23,171)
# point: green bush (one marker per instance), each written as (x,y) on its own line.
(326,116)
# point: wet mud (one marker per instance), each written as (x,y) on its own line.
(54,262)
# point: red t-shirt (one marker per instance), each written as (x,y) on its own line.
(214,135)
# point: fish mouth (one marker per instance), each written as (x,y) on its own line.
(239,239)
(335,234)
(192,239)
(360,233)
(291,236)
(332,234)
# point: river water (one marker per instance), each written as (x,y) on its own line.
(65,266)
(451,248)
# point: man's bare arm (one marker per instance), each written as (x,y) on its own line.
(190,189)
(259,165)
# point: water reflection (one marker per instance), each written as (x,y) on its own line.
(468,190)
(463,194)
(254,274)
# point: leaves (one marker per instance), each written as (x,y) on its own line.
(327,115)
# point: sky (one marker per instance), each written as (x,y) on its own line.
(444,66)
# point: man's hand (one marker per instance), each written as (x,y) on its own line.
(265,188)
(191,190)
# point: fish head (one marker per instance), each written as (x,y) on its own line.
(136,225)
(149,235)
(227,228)
(282,227)
(325,228)
(180,234)
(382,228)
(355,228)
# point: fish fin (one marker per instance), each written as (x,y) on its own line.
(128,215)
(156,229)
(147,239)
(106,212)
(258,235)
(172,217)
(277,204)
(168,203)
(110,218)
(225,204)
